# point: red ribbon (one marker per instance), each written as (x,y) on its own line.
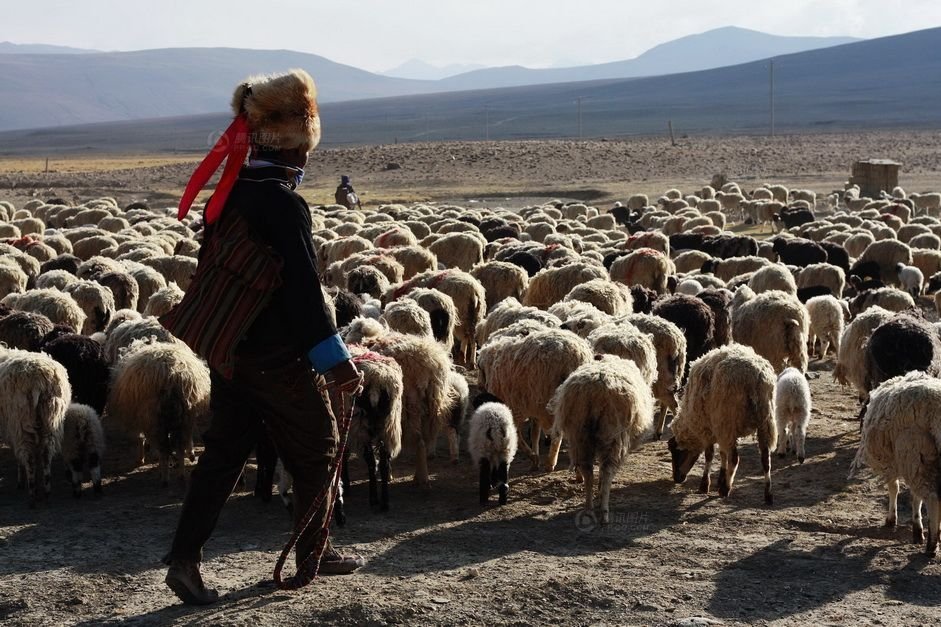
(233,147)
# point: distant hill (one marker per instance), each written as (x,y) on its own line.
(42,90)
(881,83)
(8,47)
(715,48)
(420,70)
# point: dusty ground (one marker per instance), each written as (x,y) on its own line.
(820,555)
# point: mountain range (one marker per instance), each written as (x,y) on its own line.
(43,88)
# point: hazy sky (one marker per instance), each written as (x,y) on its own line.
(379,34)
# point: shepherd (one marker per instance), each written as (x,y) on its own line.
(345,195)
(256,312)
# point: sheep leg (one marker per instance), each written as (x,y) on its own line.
(782,441)
(30,465)
(554,447)
(588,471)
(453,444)
(143,449)
(766,467)
(918,529)
(503,478)
(181,455)
(723,473)
(284,484)
(605,479)
(733,467)
(934,511)
(369,456)
(800,437)
(704,484)
(76,466)
(892,515)
(421,463)
(534,434)
(385,476)
(661,423)
(94,469)
(484,484)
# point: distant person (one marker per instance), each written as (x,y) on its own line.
(345,195)
(281,355)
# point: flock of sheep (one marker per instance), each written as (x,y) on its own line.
(584,327)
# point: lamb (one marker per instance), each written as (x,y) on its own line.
(525,372)
(492,443)
(83,446)
(693,317)
(604,410)
(612,298)
(60,308)
(500,280)
(900,442)
(900,345)
(36,393)
(644,266)
(826,322)
(911,279)
(774,324)
(729,395)
(792,412)
(160,391)
(551,285)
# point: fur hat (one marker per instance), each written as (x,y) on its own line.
(281,110)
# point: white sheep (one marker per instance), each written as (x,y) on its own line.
(901,441)
(604,410)
(34,396)
(911,279)
(729,395)
(83,446)
(492,442)
(826,323)
(792,411)
(774,324)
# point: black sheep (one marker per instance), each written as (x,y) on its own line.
(4,310)
(123,286)
(727,246)
(644,298)
(794,217)
(720,302)
(84,360)
(694,317)
(24,330)
(866,270)
(65,261)
(470,220)
(901,345)
(501,232)
(365,280)
(934,283)
(525,260)
(837,255)
(806,293)
(347,305)
(686,241)
(799,252)
(610,258)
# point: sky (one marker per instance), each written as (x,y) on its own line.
(377,35)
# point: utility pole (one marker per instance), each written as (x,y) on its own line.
(771,94)
(487,122)
(579,101)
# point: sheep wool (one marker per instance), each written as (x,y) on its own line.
(83,446)
(792,411)
(492,441)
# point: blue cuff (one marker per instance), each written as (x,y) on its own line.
(328,354)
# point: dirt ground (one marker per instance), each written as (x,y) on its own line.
(819,555)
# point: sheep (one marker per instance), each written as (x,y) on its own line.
(83,445)
(367,280)
(826,323)
(469,298)
(441,311)
(60,308)
(160,391)
(24,330)
(376,430)
(407,316)
(644,266)
(459,250)
(774,324)
(604,410)
(729,395)
(163,300)
(492,441)
(885,297)
(900,345)
(36,393)
(799,252)
(612,298)
(96,301)
(822,275)
(551,285)
(459,392)
(12,278)
(123,288)
(773,277)
(852,362)
(693,317)
(121,336)
(792,412)
(525,372)
(149,282)
(578,317)
(900,442)
(58,279)
(426,394)
(728,268)
(930,204)
(627,342)
(689,287)
(911,279)
(719,301)
(887,254)
(690,261)
(509,311)
(500,280)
